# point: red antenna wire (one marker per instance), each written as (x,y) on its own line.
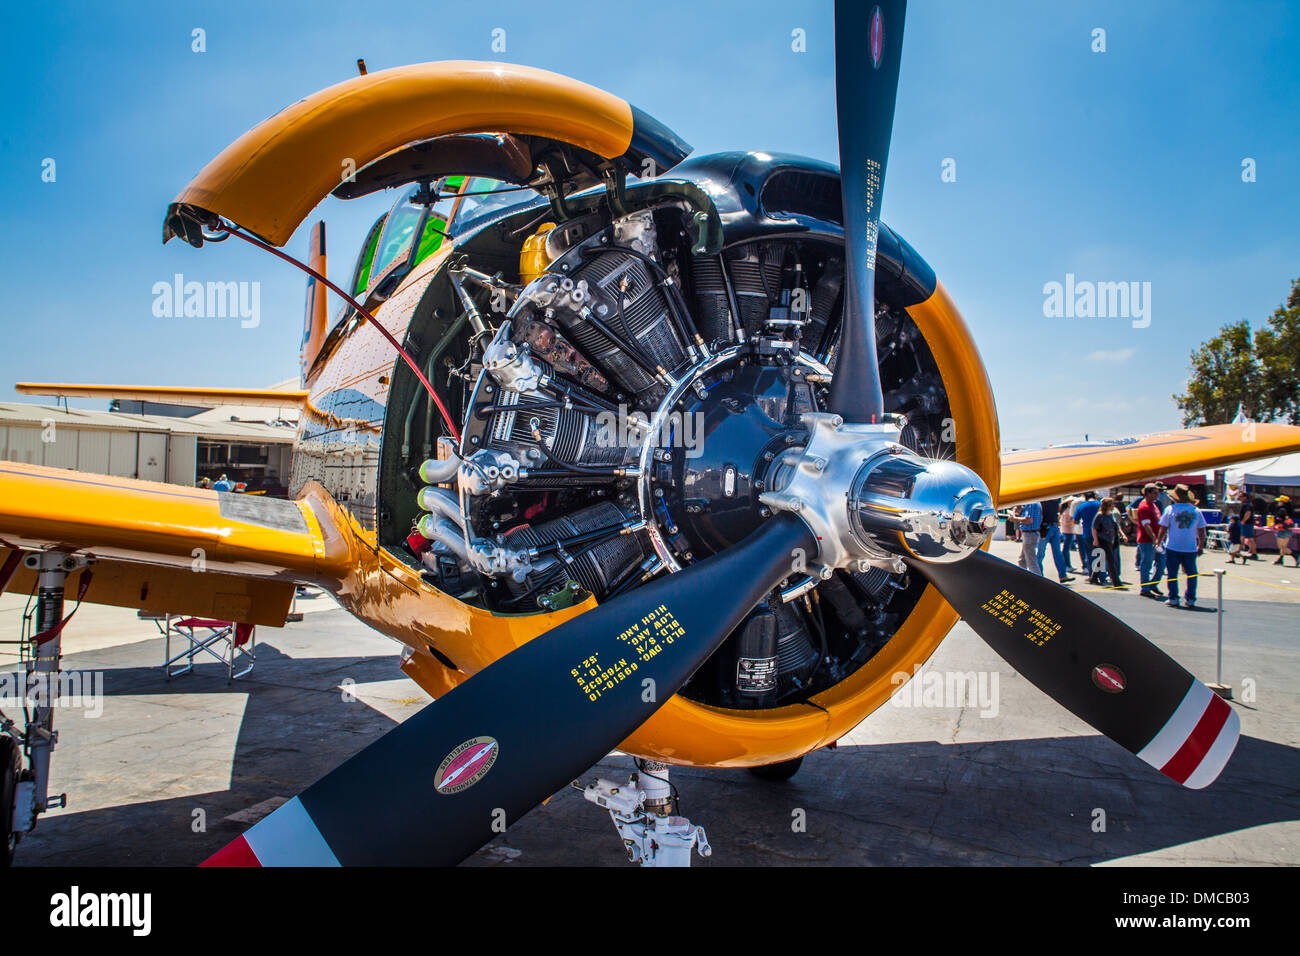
(428,387)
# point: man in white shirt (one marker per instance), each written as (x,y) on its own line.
(1182,531)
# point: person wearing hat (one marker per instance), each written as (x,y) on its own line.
(1147,519)
(223,484)
(1163,500)
(1182,531)
(1234,539)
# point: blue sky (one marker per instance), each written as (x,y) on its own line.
(1115,166)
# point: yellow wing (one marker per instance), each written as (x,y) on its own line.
(168,548)
(167,395)
(1050,472)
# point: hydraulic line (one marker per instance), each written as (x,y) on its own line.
(361,310)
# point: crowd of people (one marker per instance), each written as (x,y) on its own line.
(1247,518)
(221,484)
(1169,529)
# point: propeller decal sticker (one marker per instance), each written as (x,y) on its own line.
(877,38)
(466,765)
(648,638)
(1109,678)
(874,183)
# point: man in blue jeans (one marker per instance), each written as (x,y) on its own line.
(1182,529)
(1051,537)
(1084,512)
(1147,518)
(1030,519)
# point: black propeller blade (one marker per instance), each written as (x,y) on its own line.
(1090,662)
(442,784)
(1094,665)
(868,50)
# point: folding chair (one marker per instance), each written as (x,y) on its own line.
(230,643)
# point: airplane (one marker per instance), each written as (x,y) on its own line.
(688,456)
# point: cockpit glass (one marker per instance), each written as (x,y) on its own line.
(484,199)
(399,233)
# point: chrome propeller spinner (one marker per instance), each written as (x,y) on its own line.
(872,502)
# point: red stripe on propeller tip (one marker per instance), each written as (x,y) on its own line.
(235,853)
(1198,743)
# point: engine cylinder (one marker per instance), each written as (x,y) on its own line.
(598,568)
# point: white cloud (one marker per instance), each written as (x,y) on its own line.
(1113,355)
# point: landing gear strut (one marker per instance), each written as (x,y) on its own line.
(25,792)
(642,811)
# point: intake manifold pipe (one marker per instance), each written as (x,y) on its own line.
(441,502)
(441,531)
(439,471)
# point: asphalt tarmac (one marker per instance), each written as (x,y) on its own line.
(165,772)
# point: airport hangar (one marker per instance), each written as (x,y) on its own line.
(169,443)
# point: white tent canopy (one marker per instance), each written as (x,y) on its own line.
(1282,470)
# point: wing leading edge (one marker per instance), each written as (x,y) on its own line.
(169,395)
(171,548)
(1049,472)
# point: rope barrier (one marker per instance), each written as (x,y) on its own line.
(1199,574)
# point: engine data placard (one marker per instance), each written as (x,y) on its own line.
(1009,609)
(645,640)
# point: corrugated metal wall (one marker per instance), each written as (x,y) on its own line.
(146,455)
(24,444)
(182,459)
(150,456)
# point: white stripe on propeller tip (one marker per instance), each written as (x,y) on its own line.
(288,837)
(1195,743)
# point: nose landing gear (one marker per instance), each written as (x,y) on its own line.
(642,811)
(24,793)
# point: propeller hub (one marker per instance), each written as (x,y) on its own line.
(872,502)
(933,510)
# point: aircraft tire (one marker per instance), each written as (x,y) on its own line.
(778,772)
(10,770)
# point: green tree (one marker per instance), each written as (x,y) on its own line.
(1256,371)
(1278,349)
(1225,375)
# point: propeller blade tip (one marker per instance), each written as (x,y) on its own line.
(235,853)
(1195,743)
